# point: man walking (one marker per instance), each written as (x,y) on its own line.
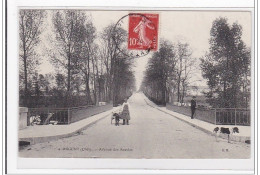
(193,106)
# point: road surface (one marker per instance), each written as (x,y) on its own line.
(151,134)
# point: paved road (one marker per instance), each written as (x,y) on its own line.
(151,134)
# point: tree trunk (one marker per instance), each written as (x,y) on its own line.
(95,91)
(68,100)
(111,81)
(183,92)
(25,81)
(25,64)
(87,89)
(225,85)
(178,90)
(224,95)
(235,92)
(164,92)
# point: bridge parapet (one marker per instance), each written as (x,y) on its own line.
(63,116)
(218,116)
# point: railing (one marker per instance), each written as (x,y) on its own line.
(45,116)
(218,116)
(232,116)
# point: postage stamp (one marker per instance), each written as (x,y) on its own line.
(136,34)
(143,31)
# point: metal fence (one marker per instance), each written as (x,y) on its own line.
(232,116)
(218,116)
(45,116)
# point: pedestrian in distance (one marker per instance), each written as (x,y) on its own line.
(193,106)
(125,115)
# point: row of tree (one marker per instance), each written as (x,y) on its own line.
(89,66)
(226,67)
(168,72)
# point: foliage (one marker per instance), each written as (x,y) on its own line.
(226,66)
(120,79)
(30,23)
(87,71)
(160,69)
(168,72)
(70,34)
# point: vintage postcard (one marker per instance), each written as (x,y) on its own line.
(143,86)
(135,84)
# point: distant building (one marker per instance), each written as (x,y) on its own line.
(197,90)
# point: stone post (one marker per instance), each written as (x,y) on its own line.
(23,112)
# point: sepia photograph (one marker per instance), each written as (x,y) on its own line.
(173,84)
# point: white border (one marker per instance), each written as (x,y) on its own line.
(59,165)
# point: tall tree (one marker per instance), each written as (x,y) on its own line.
(112,37)
(184,68)
(226,63)
(124,80)
(95,70)
(69,30)
(30,22)
(160,69)
(88,53)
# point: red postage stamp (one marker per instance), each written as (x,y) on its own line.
(143,32)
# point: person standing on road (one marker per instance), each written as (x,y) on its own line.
(193,106)
(125,113)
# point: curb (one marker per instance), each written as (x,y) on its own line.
(223,136)
(34,140)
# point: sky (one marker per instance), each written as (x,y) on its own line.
(192,27)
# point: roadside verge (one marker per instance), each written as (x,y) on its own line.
(243,136)
(44,133)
